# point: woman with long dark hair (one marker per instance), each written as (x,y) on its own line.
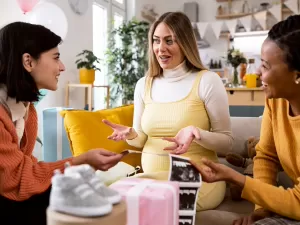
(30,61)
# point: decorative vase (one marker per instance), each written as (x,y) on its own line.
(235,81)
(86,76)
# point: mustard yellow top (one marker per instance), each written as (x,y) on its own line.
(165,120)
(279,145)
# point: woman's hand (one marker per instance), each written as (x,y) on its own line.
(100,159)
(183,140)
(120,132)
(214,172)
(258,214)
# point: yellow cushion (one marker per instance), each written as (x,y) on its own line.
(86,131)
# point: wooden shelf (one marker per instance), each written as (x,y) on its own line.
(88,93)
(287,10)
(244,89)
(148,16)
(225,34)
(223,0)
(284,10)
(232,16)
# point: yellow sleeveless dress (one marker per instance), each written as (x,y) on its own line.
(165,120)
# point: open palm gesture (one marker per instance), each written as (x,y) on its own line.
(182,140)
(120,132)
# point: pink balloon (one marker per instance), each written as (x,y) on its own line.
(27,5)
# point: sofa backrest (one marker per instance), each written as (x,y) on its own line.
(242,129)
(56,144)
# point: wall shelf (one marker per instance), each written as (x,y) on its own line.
(284,10)
(237,15)
(148,16)
(232,16)
(223,0)
(88,93)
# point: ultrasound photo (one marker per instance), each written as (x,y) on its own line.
(183,171)
(187,198)
(186,220)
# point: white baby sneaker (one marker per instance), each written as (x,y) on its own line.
(70,194)
(88,174)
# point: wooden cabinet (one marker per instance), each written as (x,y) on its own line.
(245,96)
(246,102)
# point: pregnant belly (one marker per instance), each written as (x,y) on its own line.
(156,163)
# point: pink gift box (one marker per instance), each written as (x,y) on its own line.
(149,202)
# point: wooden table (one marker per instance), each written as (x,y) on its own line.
(88,93)
(118,216)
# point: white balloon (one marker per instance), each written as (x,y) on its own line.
(50,16)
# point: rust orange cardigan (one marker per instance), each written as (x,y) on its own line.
(21,175)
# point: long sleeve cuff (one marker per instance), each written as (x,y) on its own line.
(139,141)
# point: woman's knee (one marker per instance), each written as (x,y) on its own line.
(210,195)
(277,220)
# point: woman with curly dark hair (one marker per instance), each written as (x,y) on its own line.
(279,144)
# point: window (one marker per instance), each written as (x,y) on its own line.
(119,3)
(99,48)
(99,37)
(118,20)
(104,14)
(241,41)
(118,16)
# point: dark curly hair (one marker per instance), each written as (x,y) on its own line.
(286,34)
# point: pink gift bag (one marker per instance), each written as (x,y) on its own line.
(149,201)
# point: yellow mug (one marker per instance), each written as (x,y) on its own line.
(251,80)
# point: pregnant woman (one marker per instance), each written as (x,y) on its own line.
(179,106)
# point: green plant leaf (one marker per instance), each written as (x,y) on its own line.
(87,60)
(127,60)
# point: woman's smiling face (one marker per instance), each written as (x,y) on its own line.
(277,78)
(165,47)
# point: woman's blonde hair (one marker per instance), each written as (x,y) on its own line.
(182,28)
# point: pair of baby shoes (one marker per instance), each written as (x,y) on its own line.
(78,191)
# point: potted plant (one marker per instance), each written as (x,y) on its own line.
(235,58)
(127,59)
(87,65)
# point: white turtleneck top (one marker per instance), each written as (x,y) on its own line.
(174,85)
